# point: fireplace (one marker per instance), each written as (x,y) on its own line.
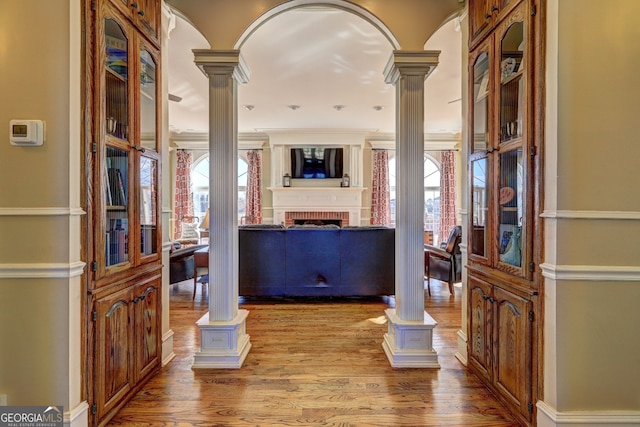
(317,218)
(317,203)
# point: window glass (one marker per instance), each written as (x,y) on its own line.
(200,186)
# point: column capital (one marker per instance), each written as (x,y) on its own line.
(229,61)
(410,63)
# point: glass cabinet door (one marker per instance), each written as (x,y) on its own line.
(481,87)
(148,206)
(510,207)
(116,154)
(480,148)
(511,83)
(512,162)
(116,80)
(479,208)
(117,207)
(148,101)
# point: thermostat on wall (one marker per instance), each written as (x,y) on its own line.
(26,132)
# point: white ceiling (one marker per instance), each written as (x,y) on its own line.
(315,59)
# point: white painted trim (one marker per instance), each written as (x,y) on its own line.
(606,215)
(167,344)
(41,212)
(461,354)
(41,270)
(338,4)
(596,273)
(78,416)
(549,417)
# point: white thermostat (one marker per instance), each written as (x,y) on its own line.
(26,132)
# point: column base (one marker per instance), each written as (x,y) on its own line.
(409,343)
(222,344)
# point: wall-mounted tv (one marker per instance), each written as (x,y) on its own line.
(316,162)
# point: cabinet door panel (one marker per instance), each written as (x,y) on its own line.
(114,341)
(147,309)
(512,348)
(480,326)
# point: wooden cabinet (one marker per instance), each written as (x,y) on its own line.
(127,344)
(144,14)
(484,15)
(504,170)
(123,164)
(501,342)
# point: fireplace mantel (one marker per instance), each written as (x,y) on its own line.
(317,199)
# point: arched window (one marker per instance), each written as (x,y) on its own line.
(431,193)
(200,185)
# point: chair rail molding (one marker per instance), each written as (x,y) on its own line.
(40,211)
(600,215)
(591,273)
(41,270)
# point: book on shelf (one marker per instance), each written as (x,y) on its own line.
(116,187)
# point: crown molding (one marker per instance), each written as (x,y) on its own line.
(256,140)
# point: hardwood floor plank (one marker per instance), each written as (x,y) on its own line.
(314,363)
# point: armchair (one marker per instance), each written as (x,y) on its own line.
(444,263)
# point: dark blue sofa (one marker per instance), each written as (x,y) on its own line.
(316,261)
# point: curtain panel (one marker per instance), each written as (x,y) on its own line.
(380,194)
(253,210)
(183,202)
(447,195)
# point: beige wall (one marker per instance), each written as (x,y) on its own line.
(591,343)
(411,22)
(39,204)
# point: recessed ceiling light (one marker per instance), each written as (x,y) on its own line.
(378,107)
(293,107)
(249,107)
(338,107)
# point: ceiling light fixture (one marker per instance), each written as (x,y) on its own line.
(378,107)
(338,107)
(249,107)
(293,107)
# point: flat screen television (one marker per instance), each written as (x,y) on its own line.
(316,162)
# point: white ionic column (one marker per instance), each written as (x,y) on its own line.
(223,339)
(409,338)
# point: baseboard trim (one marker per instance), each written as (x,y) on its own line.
(78,417)
(167,348)
(549,417)
(461,354)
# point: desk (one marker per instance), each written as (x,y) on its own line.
(200,260)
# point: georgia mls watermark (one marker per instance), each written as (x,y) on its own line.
(31,416)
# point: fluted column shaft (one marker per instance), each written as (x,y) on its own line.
(225,70)
(407,70)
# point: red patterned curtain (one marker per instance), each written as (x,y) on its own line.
(254,184)
(183,203)
(447,195)
(380,195)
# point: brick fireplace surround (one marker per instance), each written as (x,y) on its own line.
(291,217)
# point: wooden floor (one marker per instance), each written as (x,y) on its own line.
(314,363)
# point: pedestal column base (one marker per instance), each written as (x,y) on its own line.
(222,344)
(408,343)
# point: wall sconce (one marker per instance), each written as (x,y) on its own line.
(286,180)
(346,182)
